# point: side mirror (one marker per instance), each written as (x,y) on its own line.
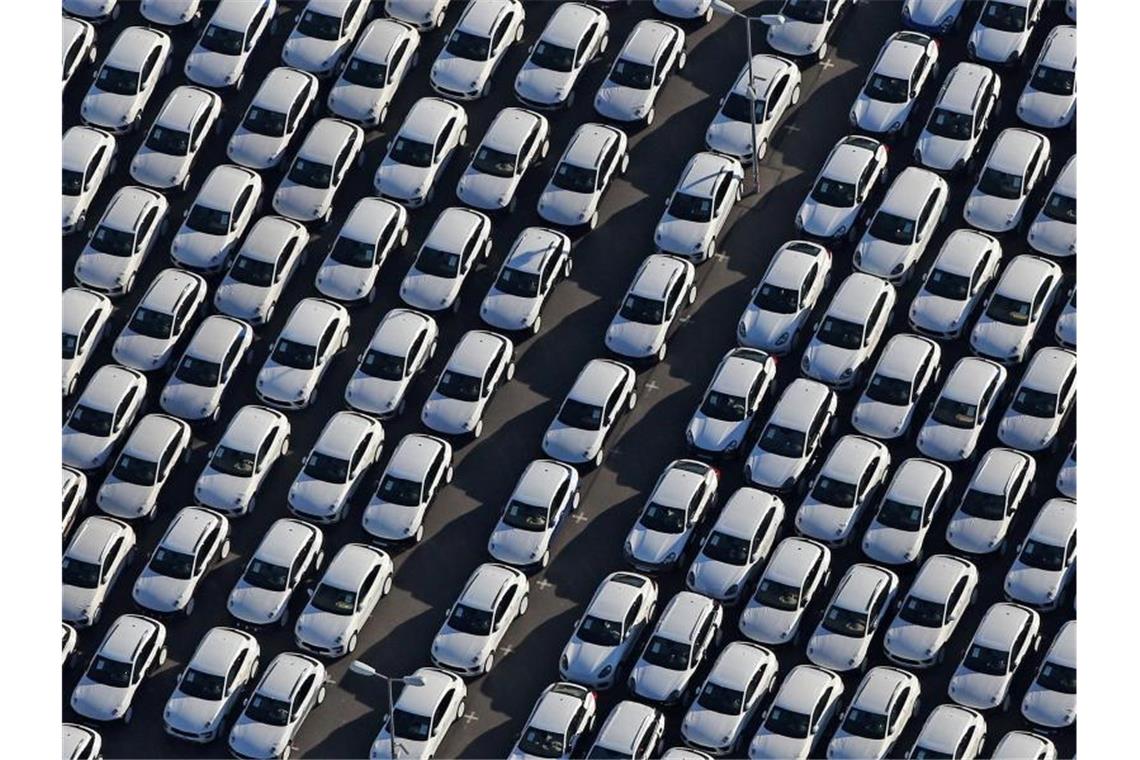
(388,147)
(530,50)
(309,592)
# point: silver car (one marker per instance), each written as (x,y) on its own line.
(1051,700)
(595,155)
(403,343)
(742,677)
(954,425)
(291,686)
(544,496)
(212,685)
(538,259)
(736,545)
(162,316)
(1018,161)
(1042,401)
(133,220)
(262,269)
(903,225)
(85,316)
(662,286)
(476,47)
(432,133)
(853,175)
(999,485)
(785,297)
(480,363)
(494,597)
(418,468)
(288,551)
(323,34)
(955,284)
(1053,231)
(914,495)
(168,153)
(517,140)
(370,234)
(1049,100)
(723,421)
(966,102)
(652,51)
(662,537)
(99,551)
(906,64)
(798,568)
(562,715)
(1007,634)
(330,150)
(608,630)
(218,347)
(601,392)
(74,494)
(631,730)
(458,238)
(799,715)
(909,366)
(316,331)
(792,436)
(884,702)
(154,448)
(349,444)
(276,114)
(196,540)
(842,640)
(255,438)
(943,591)
(850,330)
(132,649)
(225,205)
(101,416)
(851,476)
(1016,309)
(126,79)
(220,56)
(686,633)
(1042,573)
(386,51)
(776,90)
(344,600)
(696,212)
(575,36)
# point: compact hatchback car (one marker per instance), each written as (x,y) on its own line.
(344,600)
(912,498)
(595,154)
(544,496)
(400,348)
(538,259)
(99,551)
(908,368)
(575,36)
(631,730)
(723,422)
(792,436)
(323,34)
(132,649)
(1051,700)
(799,716)
(84,321)
(1002,31)
(906,64)
(164,314)
(1016,309)
(222,210)
(481,362)
(349,444)
(388,49)
(289,550)
(88,156)
(653,50)
(132,221)
(278,112)
(195,541)
(431,702)
(1018,161)
(254,440)
(101,416)
(883,703)
(458,238)
(610,627)
(798,568)
(561,717)
(418,468)
(696,212)
(742,677)
(851,178)
(998,487)
(955,284)
(330,150)
(131,489)
(662,537)
(195,389)
(212,685)
(943,590)
(1049,100)
(966,102)
(1007,634)
(170,149)
(476,47)
(685,635)
(432,133)
(804,29)
(126,79)
(494,597)
(222,52)
(290,687)
(762,94)
(783,300)
(315,332)
(517,140)
(847,482)
(1053,231)
(902,227)
(262,269)
(1042,572)
(603,391)
(371,233)
(849,332)
(858,607)
(1042,401)
(952,730)
(961,409)
(662,286)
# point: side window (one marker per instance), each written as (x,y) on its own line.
(809,281)
(235,669)
(284,259)
(433,470)
(297,108)
(1071,548)
(350,13)
(254,25)
(91,167)
(413,352)
(548,274)
(358,455)
(865,478)
(896,708)
(673,300)
(1039,299)
(584,45)
(302,694)
(143,658)
(611,403)
(205,547)
(927,210)
(197,130)
(366,586)
(932,499)
(88,328)
(985,401)
(695,502)
(631,615)
(326,340)
(489,373)
(877,605)
(662,67)
(820,706)
(721,190)
(167,457)
(1066,386)
(230,358)
(72,52)
(810,577)
(149,64)
(443,135)
(865,180)
(299,562)
(438,716)
(124,405)
(956,595)
(263,450)
(504,605)
(774,95)
(965,743)
(560,494)
(608,161)
(184,310)
(524,151)
(239,206)
(145,225)
(500,32)
(111,556)
(1018,643)
(979,272)
(876,311)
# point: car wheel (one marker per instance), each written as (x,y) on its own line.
(1005,703)
(598,458)
(486,88)
(130,284)
(710,251)
(448,475)
(761,150)
(463,137)
(510,371)
(524,603)
(478,431)
(692,295)
(709,13)
(519,33)
(682,59)
(283,621)
(251,506)
(188,610)
(823,51)
(351,645)
(225,551)
(130,710)
(649,116)
(631,400)
(544,562)
(567,268)
(624,163)
(459,711)
(593,223)
(661,352)
(383,116)
(576,501)
(488,663)
(161,657)
(321,693)
(387,587)
(536,326)
(605,43)
(418,535)
(319,561)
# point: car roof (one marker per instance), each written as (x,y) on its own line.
(645,42)
(903,355)
(1060,48)
(413,455)
(848,458)
(182,107)
(1066,182)
(791,263)
(1048,369)
(217,650)
(533,248)
(132,46)
(700,175)
(1024,275)
(94,535)
(284,675)
(283,541)
(1021,744)
(800,690)
(215,334)
(913,480)
(616,593)
(475,351)
(557,706)
(909,192)
(486,584)
(80,143)
(235,14)
(945,726)
(426,118)
(128,206)
(105,389)
(765,68)
(900,54)
(678,483)
(397,330)
(1063,650)
(348,568)
(737,371)
(1012,150)
(368,219)
(962,86)
(509,129)
(743,512)
(309,319)
(683,615)
(540,481)
(326,139)
(328,7)
(422,699)
(997,469)
(858,586)
(379,40)
(962,251)
(343,433)
(736,664)
(792,559)
(248,426)
(168,287)
(187,529)
(453,228)
(151,436)
(1000,625)
(280,88)
(625,724)
(1055,522)
(856,297)
(223,185)
(480,17)
(588,143)
(268,237)
(656,274)
(938,576)
(78,304)
(878,687)
(597,380)
(970,376)
(568,24)
(799,402)
(847,161)
(125,637)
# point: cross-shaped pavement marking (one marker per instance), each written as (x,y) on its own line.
(506,650)
(720,256)
(543,584)
(826,64)
(684,319)
(791,128)
(469,717)
(650,386)
(578,517)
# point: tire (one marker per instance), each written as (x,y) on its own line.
(283,621)
(544,561)
(251,506)
(188,610)
(513,205)
(598,458)
(795,95)
(130,285)
(418,535)
(130,710)
(463,137)
(321,693)
(478,431)
(351,644)
(661,352)
(319,561)
(692,295)
(488,663)
(593,223)
(459,711)
(601,48)
(225,552)
(448,475)
(536,326)
(682,59)
(824,49)
(711,250)
(285,447)
(486,88)
(708,14)
(649,116)
(624,164)
(383,116)
(545,148)
(510,372)
(237,85)
(519,33)
(761,150)
(567,268)
(632,401)
(524,603)
(387,587)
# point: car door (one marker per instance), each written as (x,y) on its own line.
(301,702)
(416,356)
(125,412)
(933,499)
(325,345)
(263,453)
(559,504)
(441,140)
(503,614)
(776,104)
(367,595)
(238,218)
(111,565)
(582,52)
(954,606)
(205,552)
(235,680)
(142,659)
(142,234)
(229,361)
(166,461)
(819,715)
(146,75)
(895,713)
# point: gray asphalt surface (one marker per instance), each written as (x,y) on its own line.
(429,576)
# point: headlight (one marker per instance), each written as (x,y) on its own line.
(847,373)
(897,269)
(300,394)
(971,49)
(316,210)
(733,589)
(839,531)
(799,220)
(173,178)
(851,661)
(582,215)
(853,118)
(894,126)
(629,547)
(741,330)
(339,639)
(673,695)
(689,437)
(805,363)
(125,120)
(605,671)
(905,11)
(732,445)
(841,231)
(691,578)
(670,556)
(564,662)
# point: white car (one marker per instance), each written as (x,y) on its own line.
(316,331)
(961,114)
(954,425)
(1042,401)
(740,680)
(418,468)
(85,317)
(1053,231)
(98,553)
(432,133)
(1000,484)
(792,436)
(1065,329)
(943,590)
(601,392)
(884,702)
(276,114)
(686,9)
(479,364)
(348,445)
(94,11)
(858,607)
(126,79)
(220,56)
(78,46)
(803,28)
(1002,31)
(399,350)
(595,154)
(74,495)
(562,715)
(1049,99)
(132,487)
(908,367)
(799,715)
(1016,309)
(212,685)
(1019,744)
(798,568)
(652,51)
(132,649)
(736,546)
(698,208)
(306,192)
(170,12)
(172,143)
(951,731)
(1067,475)
(1003,639)
(222,210)
(196,540)
(101,416)
(368,83)
(685,635)
(575,36)
(424,15)
(255,438)
(933,16)
(431,702)
(195,389)
(544,496)
(955,284)
(538,259)
(611,625)
(261,270)
(848,480)
(853,175)
(80,742)
(721,424)
(913,497)
(631,730)
(785,297)
(1051,700)
(344,600)
(849,331)
(291,686)
(494,597)
(762,93)
(475,47)
(662,537)
(1018,161)
(160,319)
(1043,570)
(906,64)
(88,156)
(133,220)
(516,140)
(662,286)
(903,225)
(323,34)
(370,234)
(458,238)
(288,551)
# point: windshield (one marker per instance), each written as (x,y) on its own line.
(172,564)
(887,89)
(832,192)
(845,622)
(776,299)
(724,406)
(1053,81)
(265,122)
(134,470)
(72,182)
(630,74)
(80,574)
(296,355)
(383,366)
(808,11)
(895,514)
(720,699)
(728,549)
(987,506)
(221,40)
(1056,677)
(470,620)
(208,220)
(438,263)
(922,753)
(153,324)
(574,178)
(198,372)
(955,413)
(311,174)
(1008,310)
(892,229)
(604,633)
(866,724)
(982,659)
(782,441)
(1061,207)
(691,208)
(232,462)
(319,25)
(553,57)
(540,743)
(787,723)
(1000,184)
(113,242)
(109,672)
(411,152)
(779,596)
(201,685)
(663,519)
(736,107)
(517,283)
(1035,403)
(328,469)
(469,46)
(331,599)
(665,653)
(410,726)
(834,492)
(949,124)
(365,73)
(267,576)
(400,491)
(252,272)
(922,612)
(172,142)
(1042,556)
(117,81)
(458,386)
(889,390)
(264,709)
(1003,17)
(95,422)
(526,516)
(579,415)
(648,311)
(353,253)
(956,287)
(840,333)
(70,344)
(494,162)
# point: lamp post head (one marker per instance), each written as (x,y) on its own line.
(362,669)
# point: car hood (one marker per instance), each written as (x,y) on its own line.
(654,547)
(316,497)
(190,714)
(936,313)
(997,339)
(240,299)
(715,435)
(373,394)
(633,338)
(775,746)
(1053,237)
(508,312)
(353,100)
(122,499)
(880,420)
(1032,585)
(458,74)
(680,235)
(254,150)
(714,578)
(282,382)
(517,547)
(795,37)
(772,470)
(855,747)
(988,212)
(621,103)
(726,135)
(977,690)
(248,738)
(406,748)
(830,362)
(1026,432)
(543,85)
(824,221)
(942,153)
(256,605)
(567,207)
(877,115)
(186,400)
(831,650)
(70,209)
(323,628)
(403,180)
(891,545)
(931,13)
(213,69)
(343,281)
(912,642)
(140,351)
(100,269)
(945,442)
(708,727)
(573,445)
(974,534)
(198,249)
(98,701)
(391,521)
(994,44)
(309,53)
(484,191)
(1043,109)
(587,660)
(158,169)
(160,593)
(820,520)
(75,599)
(427,291)
(219,490)
(299,201)
(106,109)
(450,416)
(878,257)
(764,328)
(1052,709)
(768,625)
(658,684)
(456,648)
(83,451)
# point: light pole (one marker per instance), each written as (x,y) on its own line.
(720,6)
(366,670)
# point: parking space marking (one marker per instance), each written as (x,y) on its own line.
(578,517)
(544,584)
(650,386)
(469,717)
(826,63)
